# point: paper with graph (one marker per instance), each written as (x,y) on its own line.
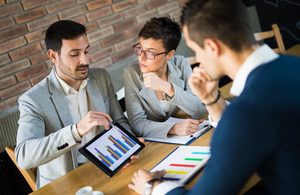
(183,163)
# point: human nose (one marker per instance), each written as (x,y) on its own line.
(85,59)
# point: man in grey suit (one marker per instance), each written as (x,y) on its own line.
(67,108)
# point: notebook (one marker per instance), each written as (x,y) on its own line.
(183,163)
(180,139)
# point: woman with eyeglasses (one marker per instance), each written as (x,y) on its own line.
(157,87)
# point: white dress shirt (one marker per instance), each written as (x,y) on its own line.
(78,107)
(260,56)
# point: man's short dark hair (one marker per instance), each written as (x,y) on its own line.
(63,29)
(164,29)
(225,20)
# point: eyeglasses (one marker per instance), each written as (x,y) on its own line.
(137,49)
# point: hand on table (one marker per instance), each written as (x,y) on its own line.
(140,178)
(187,127)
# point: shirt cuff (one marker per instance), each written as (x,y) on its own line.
(165,187)
(215,123)
(75,134)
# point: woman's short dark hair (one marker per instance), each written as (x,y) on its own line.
(63,29)
(225,20)
(164,29)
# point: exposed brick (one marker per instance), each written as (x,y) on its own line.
(45,21)
(38,57)
(99,13)
(125,44)
(109,20)
(80,19)
(102,54)
(8,103)
(146,16)
(31,72)
(120,26)
(132,12)
(155,4)
(94,47)
(168,8)
(8,81)
(6,22)
(102,63)
(38,78)
(10,9)
(117,7)
(12,44)
(132,32)
(36,35)
(14,67)
(122,55)
(70,13)
(28,4)
(12,101)
(176,15)
(100,34)
(4,59)
(91,27)
(82,1)
(30,15)
(25,51)
(112,39)
(14,90)
(12,32)
(60,5)
(98,4)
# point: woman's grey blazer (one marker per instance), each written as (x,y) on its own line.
(145,114)
(44,137)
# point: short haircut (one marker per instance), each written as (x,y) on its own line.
(63,29)
(164,29)
(225,20)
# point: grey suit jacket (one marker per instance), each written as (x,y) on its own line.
(145,114)
(44,138)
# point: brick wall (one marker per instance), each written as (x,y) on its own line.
(112,27)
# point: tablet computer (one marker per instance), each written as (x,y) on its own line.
(111,149)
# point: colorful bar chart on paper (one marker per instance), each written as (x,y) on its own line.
(117,146)
(183,163)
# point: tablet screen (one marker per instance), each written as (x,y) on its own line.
(112,148)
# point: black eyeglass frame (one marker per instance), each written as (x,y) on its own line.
(144,51)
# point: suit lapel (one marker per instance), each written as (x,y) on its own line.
(95,96)
(150,97)
(59,100)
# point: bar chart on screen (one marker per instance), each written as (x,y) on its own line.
(183,163)
(116,147)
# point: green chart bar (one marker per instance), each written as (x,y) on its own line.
(194,159)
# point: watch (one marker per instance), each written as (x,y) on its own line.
(149,186)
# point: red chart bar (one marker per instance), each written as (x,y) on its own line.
(181,165)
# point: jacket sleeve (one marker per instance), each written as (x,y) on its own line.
(137,115)
(33,147)
(184,98)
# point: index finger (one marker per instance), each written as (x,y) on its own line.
(106,116)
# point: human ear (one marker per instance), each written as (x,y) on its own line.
(170,54)
(212,46)
(53,56)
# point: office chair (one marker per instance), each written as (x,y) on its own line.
(274,33)
(29,175)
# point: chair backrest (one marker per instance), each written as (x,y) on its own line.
(29,175)
(274,33)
